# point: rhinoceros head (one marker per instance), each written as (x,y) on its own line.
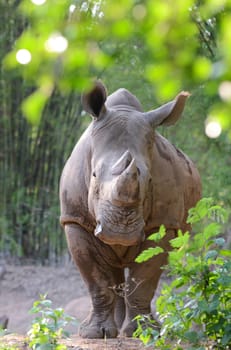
(122,160)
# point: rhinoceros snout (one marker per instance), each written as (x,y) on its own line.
(120,234)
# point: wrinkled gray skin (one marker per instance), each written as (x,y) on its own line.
(121,182)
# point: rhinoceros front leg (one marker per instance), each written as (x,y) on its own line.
(141,285)
(89,255)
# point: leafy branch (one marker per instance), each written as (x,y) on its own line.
(195,308)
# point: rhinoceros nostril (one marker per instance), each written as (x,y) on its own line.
(98,229)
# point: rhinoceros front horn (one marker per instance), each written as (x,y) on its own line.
(122,163)
(126,187)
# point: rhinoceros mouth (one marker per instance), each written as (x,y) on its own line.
(116,225)
(125,239)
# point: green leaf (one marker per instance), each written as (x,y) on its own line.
(192,336)
(156,237)
(175,258)
(60,347)
(178,282)
(34,310)
(202,68)
(217,213)
(212,230)
(211,254)
(199,211)
(214,305)
(148,254)
(225,281)
(219,241)
(181,240)
(225,252)
(226,339)
(33,106)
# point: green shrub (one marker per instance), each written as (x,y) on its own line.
(48,328)
(195,308)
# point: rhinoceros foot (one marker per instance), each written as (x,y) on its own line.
(129,329)
(93,328)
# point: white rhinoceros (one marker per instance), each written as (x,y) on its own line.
(121,182)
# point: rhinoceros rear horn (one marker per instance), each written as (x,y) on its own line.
(169,113)
(93,100)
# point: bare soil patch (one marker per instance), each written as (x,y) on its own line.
(77,343)
(20,286)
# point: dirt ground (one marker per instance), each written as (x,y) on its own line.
(21,285)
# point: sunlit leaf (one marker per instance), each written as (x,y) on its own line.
(202,68)
(200,210)
(148,254)
(158,235)
(33,106)
(181,240)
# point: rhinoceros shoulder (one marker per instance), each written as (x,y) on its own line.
(74,185)
(176,185)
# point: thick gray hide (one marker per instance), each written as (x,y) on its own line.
(121,182)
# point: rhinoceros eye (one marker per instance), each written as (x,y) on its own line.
(94,174)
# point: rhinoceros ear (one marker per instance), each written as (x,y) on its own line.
(93,100)
(169,113)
